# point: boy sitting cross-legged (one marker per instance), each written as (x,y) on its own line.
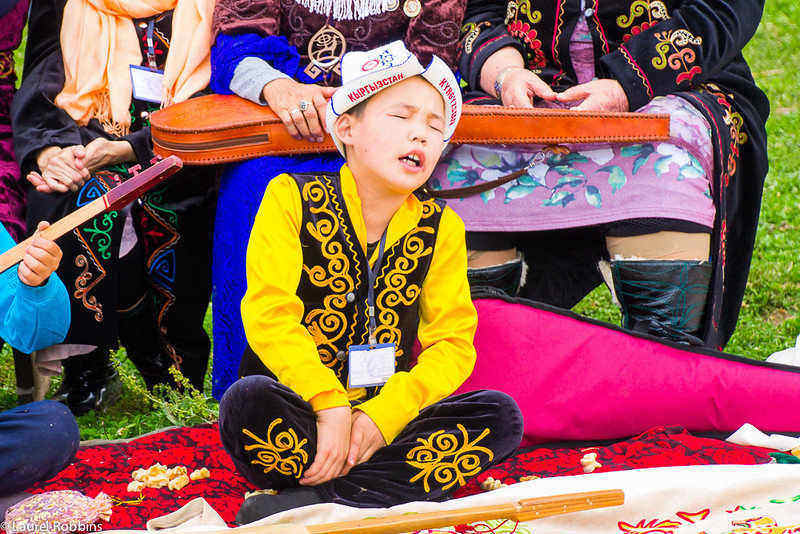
(344,272)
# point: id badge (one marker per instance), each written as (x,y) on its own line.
(147,83)
(370,365)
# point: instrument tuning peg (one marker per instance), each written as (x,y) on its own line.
(135,169)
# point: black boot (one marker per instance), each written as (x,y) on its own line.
(92,381)
(23,369)
(264,505)
(506,278)
(666,299)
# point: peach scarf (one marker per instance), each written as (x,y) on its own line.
(99,42)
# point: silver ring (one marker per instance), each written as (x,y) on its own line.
(293,111)
(303,105)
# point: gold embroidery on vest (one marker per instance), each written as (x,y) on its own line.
(327,324)
(448,459)
(396,290)
(271,453)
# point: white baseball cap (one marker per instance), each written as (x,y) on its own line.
(366,73)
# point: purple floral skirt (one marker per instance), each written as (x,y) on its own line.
(577,185)
(588,184)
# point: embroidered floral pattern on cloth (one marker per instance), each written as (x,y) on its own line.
(107,468)
(578,185)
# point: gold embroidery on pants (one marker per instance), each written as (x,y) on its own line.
(443,457)
(272,452)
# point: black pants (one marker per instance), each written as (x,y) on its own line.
(162,287)
(271,435)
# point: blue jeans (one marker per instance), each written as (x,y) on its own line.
(37,440)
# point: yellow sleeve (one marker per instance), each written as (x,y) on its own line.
(272,312)
(446,331)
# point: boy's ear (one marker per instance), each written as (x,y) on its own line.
(343,128)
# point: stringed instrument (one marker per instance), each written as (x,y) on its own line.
(213,129)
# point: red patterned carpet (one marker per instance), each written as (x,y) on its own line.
(108,468)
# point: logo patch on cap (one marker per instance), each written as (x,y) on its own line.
(366,73)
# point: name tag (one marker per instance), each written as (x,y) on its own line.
(370,365)
(147,84)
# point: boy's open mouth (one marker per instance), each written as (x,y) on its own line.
(412,159)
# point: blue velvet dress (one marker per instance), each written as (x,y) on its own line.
(241,189)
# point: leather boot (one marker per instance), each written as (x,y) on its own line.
(92,381)
(663,298)
(506,278)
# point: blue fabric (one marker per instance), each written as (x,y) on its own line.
(229,50)
(37,441)
(31,318)
(241,189)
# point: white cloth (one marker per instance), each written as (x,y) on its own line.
(679,497)
(790,356)
(751,436)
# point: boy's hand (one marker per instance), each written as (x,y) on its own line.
(40,260)
(333,437)
(365,440)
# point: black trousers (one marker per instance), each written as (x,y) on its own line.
(161,288)
(270,432)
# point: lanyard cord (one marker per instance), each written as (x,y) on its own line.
(151,52)
(372,274)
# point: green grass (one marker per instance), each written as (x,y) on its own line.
(770,316)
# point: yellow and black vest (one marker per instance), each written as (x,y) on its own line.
(333,285)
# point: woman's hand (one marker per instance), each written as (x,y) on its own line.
(41,259)
(518,85)
(284,97)
(60,173)
(521,86)
(102,152)
(68,169)
(44,155)
(597,95)
(365,440)
(333,439)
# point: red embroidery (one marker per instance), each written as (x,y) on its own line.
(524,31)
(675,50)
